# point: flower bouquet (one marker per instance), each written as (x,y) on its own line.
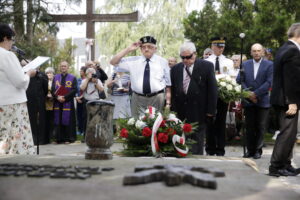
(229,90)
(156,134)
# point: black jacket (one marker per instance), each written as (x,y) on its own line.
(286,77)
(201,98)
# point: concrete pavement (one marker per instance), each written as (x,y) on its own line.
(245,178)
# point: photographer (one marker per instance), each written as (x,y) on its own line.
(91,86)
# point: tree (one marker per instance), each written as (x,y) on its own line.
(263,21)
(65,53)
(34,33)
(163,21)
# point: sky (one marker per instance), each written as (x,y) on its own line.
(67,30)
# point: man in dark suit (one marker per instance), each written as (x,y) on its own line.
(258,75)
(285,98)
(194,92)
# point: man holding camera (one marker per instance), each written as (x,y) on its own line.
(91,87)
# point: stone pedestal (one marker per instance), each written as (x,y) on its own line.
(99,130)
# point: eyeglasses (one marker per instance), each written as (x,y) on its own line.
(187,57)
(147,47)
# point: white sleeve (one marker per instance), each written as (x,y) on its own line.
(14,71)
(167,74)
(100,83)
(124,64)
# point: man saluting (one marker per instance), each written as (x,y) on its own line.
(149,75)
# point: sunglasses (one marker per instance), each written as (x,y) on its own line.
(186,57)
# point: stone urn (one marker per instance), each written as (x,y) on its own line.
(99,130)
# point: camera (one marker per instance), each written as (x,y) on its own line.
(94,76)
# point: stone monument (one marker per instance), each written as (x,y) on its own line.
(99,130)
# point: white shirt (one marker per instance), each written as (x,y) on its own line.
(256,67)
(159,72)
(91,92)
(226,65)
(13,81)
(185,73)
(296,43)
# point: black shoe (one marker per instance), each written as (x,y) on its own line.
(281,172)
(248,155)
(257,155)
(290,168)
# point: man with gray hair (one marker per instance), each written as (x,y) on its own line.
(207,52)
(149,75)
(285,98)
(194,92)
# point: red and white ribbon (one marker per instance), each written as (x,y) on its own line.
(175,138)
(180,140)
(154,142)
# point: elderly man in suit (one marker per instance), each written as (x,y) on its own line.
(285,98)
(194,91)
(258,74)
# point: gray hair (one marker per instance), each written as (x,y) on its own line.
(90,70)
(208,50)
(294,30)
(49,70)
(188,46)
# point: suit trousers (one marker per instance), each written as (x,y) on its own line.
(198,136)
(140,103)
(215,133)
(255,121)
(285,141)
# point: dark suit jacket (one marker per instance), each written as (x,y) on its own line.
(286,80)
(261,84)
(201,98)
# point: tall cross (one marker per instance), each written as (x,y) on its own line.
(90,18)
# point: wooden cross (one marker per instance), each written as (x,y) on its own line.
(90,18)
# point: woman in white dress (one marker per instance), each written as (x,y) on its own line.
(15,130)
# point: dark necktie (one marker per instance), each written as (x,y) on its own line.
(146,82)
(217,67)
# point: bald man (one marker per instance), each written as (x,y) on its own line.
(64,109)
(258,78)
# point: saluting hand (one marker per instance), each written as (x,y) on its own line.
(292,109)
(134,46)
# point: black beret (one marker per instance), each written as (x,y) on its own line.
(148,39)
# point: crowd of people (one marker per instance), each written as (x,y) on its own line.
(189,88)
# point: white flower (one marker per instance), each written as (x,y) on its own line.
(228,78)
(223,84)
(140,124)
(172,116)
(233,82)
(131,121)
(237,88)
(229,87)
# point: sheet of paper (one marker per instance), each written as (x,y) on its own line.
(38,61)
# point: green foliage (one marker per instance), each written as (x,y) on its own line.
(65,53)
(161,19)
(262,21)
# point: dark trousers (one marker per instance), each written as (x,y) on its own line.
(255,121)
(49,132)
(198,136)
(80,117)
(215,134)
(285,141)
